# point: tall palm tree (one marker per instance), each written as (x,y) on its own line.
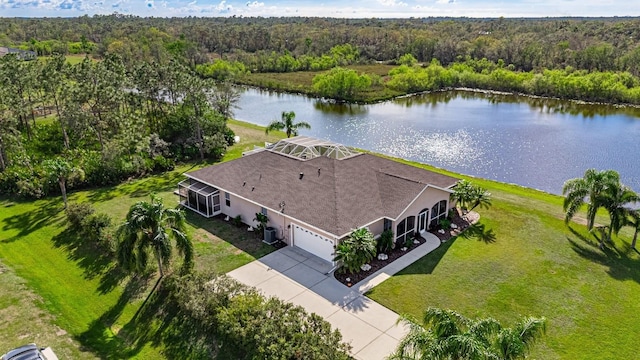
(446,334)
(287,125)
(590,187)
(150,227)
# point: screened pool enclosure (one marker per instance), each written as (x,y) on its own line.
(199,197)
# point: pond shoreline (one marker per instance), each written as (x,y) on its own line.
(310,95)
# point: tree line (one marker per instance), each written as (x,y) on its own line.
(604,44)
(99,122)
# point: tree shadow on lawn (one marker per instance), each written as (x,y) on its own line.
(95,260)
(30,221)
(621,265)
(161,324)
(140,187)
(106,342)
(479,232)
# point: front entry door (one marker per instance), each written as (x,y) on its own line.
(422,220)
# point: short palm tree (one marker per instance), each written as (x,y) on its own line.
(287,125)
(591,187)
(446,334)
(634,221)
(150,227)
(356,250)
(617,198)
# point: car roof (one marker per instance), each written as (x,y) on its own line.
(26,352)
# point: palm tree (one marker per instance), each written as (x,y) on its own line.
(446,334)
(590,187)
(469,196)
(287,125)
(616,198)
(634,221)
(150,227)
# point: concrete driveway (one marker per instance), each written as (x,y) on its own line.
(299,277)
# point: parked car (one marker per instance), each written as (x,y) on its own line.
(30,352)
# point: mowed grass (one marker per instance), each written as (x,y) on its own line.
(302,82)
(59,291)
(521,259)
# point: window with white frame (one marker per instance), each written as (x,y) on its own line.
(438,212)
(405,229)
(227,199)
(263,211)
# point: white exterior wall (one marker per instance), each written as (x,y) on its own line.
(247,210)
(426,200)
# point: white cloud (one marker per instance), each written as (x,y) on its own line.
(445,1)
(392,3)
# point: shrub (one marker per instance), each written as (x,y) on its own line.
(355,251)
(237,220)
(385,241)
(445,224)
(96,228)
(214,316)
(77,213)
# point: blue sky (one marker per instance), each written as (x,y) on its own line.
(331,8)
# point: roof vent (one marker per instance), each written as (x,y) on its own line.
(301,175)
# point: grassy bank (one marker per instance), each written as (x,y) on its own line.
(59,291)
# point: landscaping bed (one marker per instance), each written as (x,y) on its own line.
(461,223)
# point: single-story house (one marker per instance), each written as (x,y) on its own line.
(315,192)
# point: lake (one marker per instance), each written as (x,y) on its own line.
(533,142)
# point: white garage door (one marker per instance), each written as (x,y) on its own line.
(313,243)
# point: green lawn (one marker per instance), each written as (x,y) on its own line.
(521,259)
(57,290)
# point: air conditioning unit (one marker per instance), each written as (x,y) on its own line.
(270,235)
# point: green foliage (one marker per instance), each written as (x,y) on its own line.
(341,84)
(445,334)
(150,228)
(222,70)
(287,124)
(77,213)
(468,196)
(225,319)
(445,224)
(356,250)
(262,220)
(385,242)
(237,220)
(97,229)
(407,59)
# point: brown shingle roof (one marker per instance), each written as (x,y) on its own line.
(333,195)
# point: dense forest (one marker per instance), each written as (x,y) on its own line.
(100,122)
(552,43)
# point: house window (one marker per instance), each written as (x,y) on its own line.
(438,212)
(227,199)
(263,211)
(387,225)
(405,229)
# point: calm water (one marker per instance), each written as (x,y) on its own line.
(532,142)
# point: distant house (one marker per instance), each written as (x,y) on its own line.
(315,192)
(21,54)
